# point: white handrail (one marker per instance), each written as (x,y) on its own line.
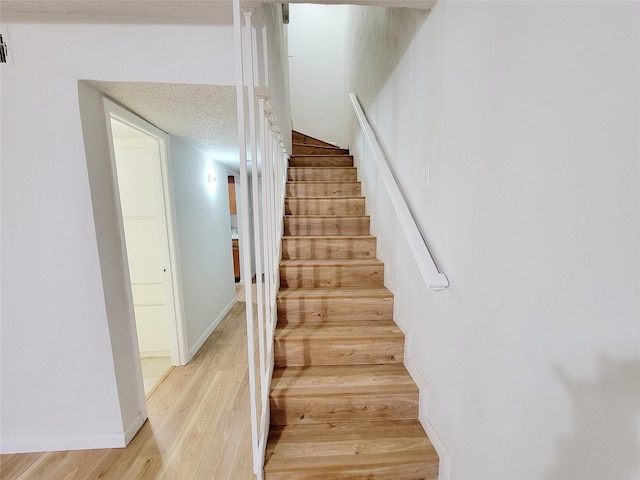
(432,277)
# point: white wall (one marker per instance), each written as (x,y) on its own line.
(204,241)
(64,313)
(527,115)
(277,65)
(317,70)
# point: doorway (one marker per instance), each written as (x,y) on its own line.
(139,161)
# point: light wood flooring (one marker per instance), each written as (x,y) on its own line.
(154,370)
(198,427)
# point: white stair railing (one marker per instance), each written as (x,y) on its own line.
(432,277)
(268,159)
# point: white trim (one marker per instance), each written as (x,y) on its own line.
(142,403)
(177,330)
(203,338)
(423,387)
(441,450)
(423,411)
(245,241)
(432,277)
(178,338)
(133,428)
(57,443)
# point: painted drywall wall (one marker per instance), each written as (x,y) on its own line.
(278,69)
(204,241)
(317,70)
(64,310)
(526,115)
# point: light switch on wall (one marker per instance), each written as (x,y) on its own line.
(425,174)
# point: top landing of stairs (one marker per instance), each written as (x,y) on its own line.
(301,138)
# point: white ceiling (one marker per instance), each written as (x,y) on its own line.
(203,116)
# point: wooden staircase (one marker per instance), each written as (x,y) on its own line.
(342,403)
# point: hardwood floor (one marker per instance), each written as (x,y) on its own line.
(198,427)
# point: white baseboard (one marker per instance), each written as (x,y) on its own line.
(423,387)
(132,429)
(155,353)
(57,443)
(441,450)
(423,416)
(203,338)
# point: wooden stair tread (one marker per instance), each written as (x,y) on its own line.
(319,155)
(304,182)
(331,225)
(335,292)
(340,331)
(323,189)
(330,262)
(341,198)
(321,149)
(331,304)
(331,380)
(320,173)
(329,237)
(342,403)
(328,246)
(337,431)
(359,342)
(316,156)
(335,445)
(299,137)
(327,146)
(321,168)
(329,205)
(321,160)
(330,217)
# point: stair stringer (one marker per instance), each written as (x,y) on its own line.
(444,466)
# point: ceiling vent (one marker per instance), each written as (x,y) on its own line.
(5,52)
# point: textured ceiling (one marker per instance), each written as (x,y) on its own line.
(180,11)
(202,116)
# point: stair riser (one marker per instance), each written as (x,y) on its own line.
(314,174)
(334,276)
(290,410)
(312,310)
(324,206)
(323,189)
(306,149)
(321,161)
(329,248)
(405,471)
(301,226)
(301,138)
(348,352)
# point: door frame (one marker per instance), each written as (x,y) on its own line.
(173,292)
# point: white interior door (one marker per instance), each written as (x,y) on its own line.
(140,186)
